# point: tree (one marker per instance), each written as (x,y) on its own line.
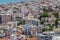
(43,15)
(31,36)
(55,14)
(44,29)
(56,22)
(16,8)
(46,10)
(21,22)
(51,28)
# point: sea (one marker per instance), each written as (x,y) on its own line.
(10,1)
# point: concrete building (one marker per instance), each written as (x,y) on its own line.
(56,38)
(31,20)
(4,18)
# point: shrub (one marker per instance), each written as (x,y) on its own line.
(21,22)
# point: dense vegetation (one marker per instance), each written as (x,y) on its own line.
(21,22)
(51,27)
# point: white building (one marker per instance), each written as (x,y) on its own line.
(31,20)
(56,38)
